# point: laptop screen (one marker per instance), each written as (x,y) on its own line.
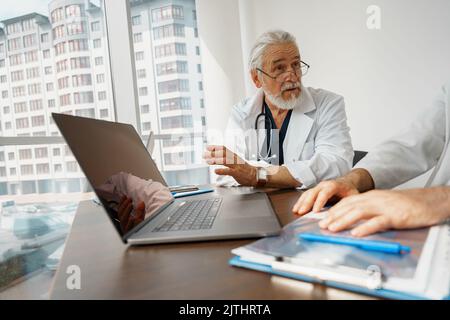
(118,167)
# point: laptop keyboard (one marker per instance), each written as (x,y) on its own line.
(193,215)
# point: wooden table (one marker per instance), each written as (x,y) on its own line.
(112,270)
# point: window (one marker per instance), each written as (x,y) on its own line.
(179,158)
(51,103)
(31,56)
(15,59)
(18,91)
(59,32)
(48,70)
(104,113)
(199,68)
(17,76)
(100,78)
(2,47)
(14,28)
(57,15)
(145,108)
(141,73)
(143,91)
(87,113)
(139,55)
(98,61)
(102,95)
(95,26)
(146,126)
(49,86)
(22,123)
(20,107)
(6,111)
(37,121)
(137,37)
(64,100)
(81,80)
(167,12)
(56,152)
(29,40)
(73,10)
(36,105)
(181,85)
(61,66)
(200,86)
(28,25)
(60,48)
(171,49)
(45,37)
(58,167)
(72,166)
(136,20)
(63,82)
(78,45)
(41,153)
(26,169)
(170,30)
(3,79)
(175,104)
(171,67)
(175,122)
(14,44)
(42,168)
(33,73)
(83,97)
(76,28)
(197,50)
(46,54)
(2,63)
(97,43)
(80,63)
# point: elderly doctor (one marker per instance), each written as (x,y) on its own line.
(298,136)
(423,146)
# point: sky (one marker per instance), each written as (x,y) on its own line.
(13,8)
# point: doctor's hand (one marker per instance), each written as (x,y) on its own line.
(380,210)
(358,180)
(316,198)
(241,171)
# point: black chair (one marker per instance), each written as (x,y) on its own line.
(358,156)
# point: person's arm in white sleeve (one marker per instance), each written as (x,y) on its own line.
(333,152)
(410,153)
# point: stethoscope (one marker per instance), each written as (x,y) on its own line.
(267,125)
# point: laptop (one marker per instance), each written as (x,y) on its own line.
(137,199)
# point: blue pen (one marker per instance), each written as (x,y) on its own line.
(190,193)
(369,245)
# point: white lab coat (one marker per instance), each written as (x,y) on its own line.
(424,145)
(317,145)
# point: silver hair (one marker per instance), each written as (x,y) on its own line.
(266,39)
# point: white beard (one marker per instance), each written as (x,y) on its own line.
(279,102)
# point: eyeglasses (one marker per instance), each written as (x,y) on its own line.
(301,68)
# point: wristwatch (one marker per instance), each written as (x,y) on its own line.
(261,176)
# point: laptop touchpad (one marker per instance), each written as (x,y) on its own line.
(251,205)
